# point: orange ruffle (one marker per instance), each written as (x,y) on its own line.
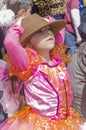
(60,50)
(26,116)
(35,60)
(24,75)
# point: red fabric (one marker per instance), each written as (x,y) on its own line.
(70,4)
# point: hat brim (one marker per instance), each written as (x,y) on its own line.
(56,26)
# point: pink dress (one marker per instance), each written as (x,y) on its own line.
(47,91)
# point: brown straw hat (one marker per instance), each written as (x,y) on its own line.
(33,23)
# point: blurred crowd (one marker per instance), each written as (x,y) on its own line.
(72,39)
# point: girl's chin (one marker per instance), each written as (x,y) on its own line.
(51,46)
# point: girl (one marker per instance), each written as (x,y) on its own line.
(34,59)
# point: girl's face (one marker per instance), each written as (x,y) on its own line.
(43,39)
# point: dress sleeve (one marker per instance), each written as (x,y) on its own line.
(16,52)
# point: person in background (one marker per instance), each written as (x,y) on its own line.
(46,81)
(7,18)
(19,7)
(77,69)
(72,16)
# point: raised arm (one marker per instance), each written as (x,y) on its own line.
(14,49)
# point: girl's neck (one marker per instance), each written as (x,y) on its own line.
(46,58)
(45,55)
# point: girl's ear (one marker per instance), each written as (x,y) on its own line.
(19,20)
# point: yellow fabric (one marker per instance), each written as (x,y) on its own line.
(84,2)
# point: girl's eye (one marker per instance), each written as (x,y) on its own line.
(48,28)
(39,31)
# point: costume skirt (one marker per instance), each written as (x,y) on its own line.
(27,119)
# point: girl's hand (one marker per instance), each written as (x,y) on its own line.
(19,20)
